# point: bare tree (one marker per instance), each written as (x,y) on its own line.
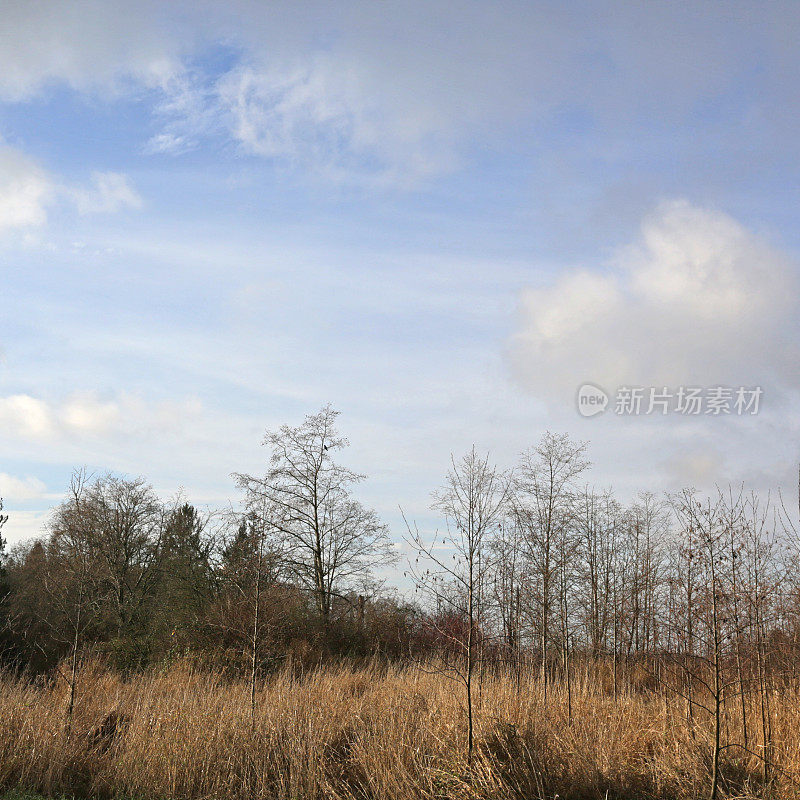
(473,501)
(124,520)
(763,574)
(250,572)
(328,539)
(505,555)
(709,525)
(67,596)
(646,528)
(543,507)
(598,521)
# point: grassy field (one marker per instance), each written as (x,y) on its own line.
(371,733)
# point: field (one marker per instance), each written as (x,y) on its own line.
(372,732)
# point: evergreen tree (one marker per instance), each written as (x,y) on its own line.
(186,581)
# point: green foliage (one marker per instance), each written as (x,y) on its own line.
(185,587)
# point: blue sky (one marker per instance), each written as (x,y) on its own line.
(442,218)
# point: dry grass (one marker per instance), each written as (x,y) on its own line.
(370,733)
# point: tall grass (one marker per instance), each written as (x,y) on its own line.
(371,732)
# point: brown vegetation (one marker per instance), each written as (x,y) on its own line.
(375,732)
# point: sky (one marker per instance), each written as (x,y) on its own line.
(443,218)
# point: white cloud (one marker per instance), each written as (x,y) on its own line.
(109,192)
(27,417)
(20,489)
(698,299)
(356,91)
(23,525)
(89,45)
(187,112)
(86,414)
(25,190)
(395,92)
(329,115)
(23,417)
(28,191)
(168,142)
(353,91)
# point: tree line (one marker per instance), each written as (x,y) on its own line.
(695,596)
(691,596)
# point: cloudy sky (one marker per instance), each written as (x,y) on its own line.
(441,217)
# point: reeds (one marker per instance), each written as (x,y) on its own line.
(373,732)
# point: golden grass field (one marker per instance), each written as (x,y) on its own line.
(371,732)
